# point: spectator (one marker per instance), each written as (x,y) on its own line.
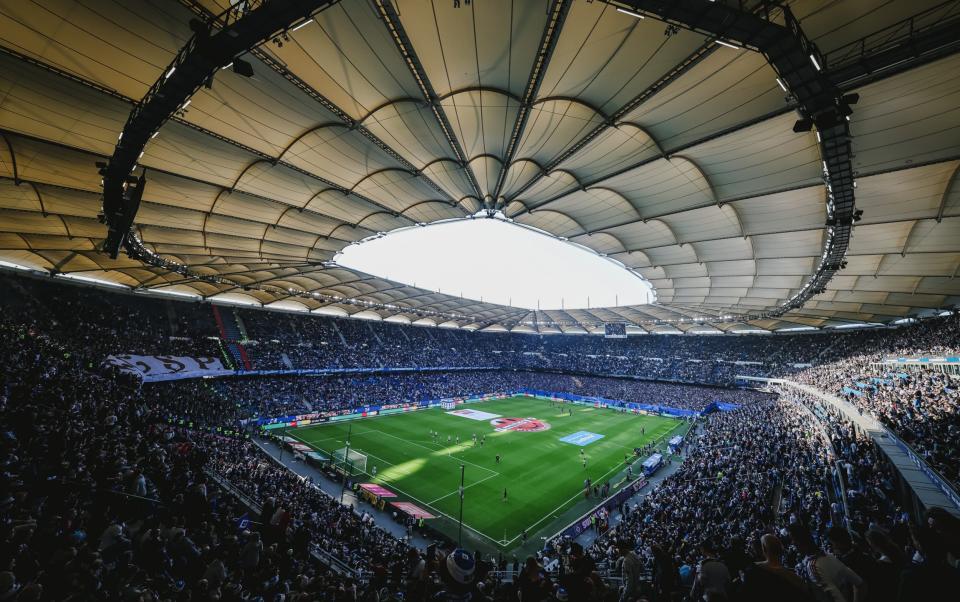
(827,572)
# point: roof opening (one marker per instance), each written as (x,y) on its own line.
(498,261)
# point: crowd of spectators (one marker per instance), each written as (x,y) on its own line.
(756,512)
(284,341)
(118,322)
(264,397)
(922,407)
(102,499)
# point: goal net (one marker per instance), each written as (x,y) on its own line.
(350,461)
(448,405)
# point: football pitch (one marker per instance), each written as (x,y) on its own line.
(542,474)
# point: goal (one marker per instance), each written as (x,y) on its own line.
(350,461)
(448,405)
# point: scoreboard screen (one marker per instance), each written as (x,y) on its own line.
(615,331)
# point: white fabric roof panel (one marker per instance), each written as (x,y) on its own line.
(607,58)
(491,44)
(78,36)
(725,89)
(703,187)
(46,105)
(910,119)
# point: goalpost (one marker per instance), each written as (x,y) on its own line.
(350,461)
(448,405)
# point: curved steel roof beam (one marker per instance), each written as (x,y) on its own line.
(572,175)
(646,132)
(485,156)
(951,183)
(611,235)
(434,201)
(389,103)
(307,132)
(569,217)
(469,89)
(369,215)
(36,191)
(13,158)
(571,100)
(451,203)
(244,171)
(619,194)
(703,174)
(378,172)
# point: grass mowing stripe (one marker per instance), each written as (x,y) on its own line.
(449,455)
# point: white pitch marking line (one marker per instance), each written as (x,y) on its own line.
(465,488)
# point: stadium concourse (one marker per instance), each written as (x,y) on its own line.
(202,398)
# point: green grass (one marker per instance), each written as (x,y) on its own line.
(543,476)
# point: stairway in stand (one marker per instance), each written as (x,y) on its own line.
(231,337)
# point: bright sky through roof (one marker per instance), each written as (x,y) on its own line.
(499,262)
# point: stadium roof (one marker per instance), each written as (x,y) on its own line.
(671,153)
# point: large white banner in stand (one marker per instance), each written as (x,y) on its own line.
(154,368)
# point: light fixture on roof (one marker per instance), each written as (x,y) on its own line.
(813,59)
(302,25)
(242,67)
(727,44)
(629,12)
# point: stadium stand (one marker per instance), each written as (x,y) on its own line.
(127,503)
(181,184)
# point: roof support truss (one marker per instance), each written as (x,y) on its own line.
(391,19)
(556,14)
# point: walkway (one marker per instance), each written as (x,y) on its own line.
(587,538)
(383,519)
(928,487)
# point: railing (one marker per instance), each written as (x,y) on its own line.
(226,18)
(894,35)
(317,552)
(936,484)
(932,473)
(825,434)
